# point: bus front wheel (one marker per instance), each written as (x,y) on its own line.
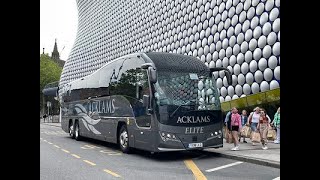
(124,139)
(77,131)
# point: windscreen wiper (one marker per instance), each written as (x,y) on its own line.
(187,103)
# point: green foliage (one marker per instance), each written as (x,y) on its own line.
(50,71)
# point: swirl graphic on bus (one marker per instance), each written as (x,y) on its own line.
(86,119)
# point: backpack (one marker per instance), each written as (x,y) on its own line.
(229,121)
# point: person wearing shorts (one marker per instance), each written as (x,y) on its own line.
(235,128)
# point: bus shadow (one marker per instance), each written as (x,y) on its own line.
(157,156)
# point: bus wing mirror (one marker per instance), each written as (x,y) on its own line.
(227,71)
(152,75)
(146,100)
(146,65)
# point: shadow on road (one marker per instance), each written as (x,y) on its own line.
(160,156)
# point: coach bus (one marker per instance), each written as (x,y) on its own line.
(151,101)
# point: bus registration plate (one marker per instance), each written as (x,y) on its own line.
(194,145)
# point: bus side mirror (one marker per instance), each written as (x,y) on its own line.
(227,71)
(146,100)
(152,75)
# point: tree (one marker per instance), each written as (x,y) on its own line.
(50,72)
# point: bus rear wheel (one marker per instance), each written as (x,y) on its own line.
(71,131)
(124,139)
(77,131)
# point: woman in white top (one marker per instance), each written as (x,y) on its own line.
(254,119)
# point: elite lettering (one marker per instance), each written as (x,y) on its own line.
(194,130)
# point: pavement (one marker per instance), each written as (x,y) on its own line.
(62,157)
(253,154)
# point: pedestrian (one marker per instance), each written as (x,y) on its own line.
(44,117)
(235,127)
(227,117)
(253,120)
(276,123)
(263,126)
(244,119)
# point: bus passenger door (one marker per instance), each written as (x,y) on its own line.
(143,130)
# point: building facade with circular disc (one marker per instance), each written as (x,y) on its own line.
(241,35)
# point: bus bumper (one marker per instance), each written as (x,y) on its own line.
(185,142)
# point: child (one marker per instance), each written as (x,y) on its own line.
(244,119)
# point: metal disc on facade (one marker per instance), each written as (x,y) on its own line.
(268,74)
(238,90)
(274,85)
(264,86)
(244,47)
(276,49)
(255,88)
(274,14)
(258,76)
(272,38)
(244,68)
(248,56)
(263,64)
(249,78)
(276,25)
(277,73)
(246,89)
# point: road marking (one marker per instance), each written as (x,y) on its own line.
(49,142)
(74,155)
(91,163)
(45,140)
(41,138)
(56,146)
(278,178)
(195,170)
(89,147)
(225,166)
(65,150)
(112,173)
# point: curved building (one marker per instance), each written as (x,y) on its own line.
(241,35)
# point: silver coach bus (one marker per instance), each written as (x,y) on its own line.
(150,101)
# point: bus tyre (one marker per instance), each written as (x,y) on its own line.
(124,139)
(71,131)
(77,131)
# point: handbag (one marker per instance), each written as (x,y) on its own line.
(271,134)
(229,139)
(255,137)
(228,136)
(246,132)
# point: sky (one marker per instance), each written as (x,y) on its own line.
(58,19)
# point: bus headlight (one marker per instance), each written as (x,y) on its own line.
(168,136)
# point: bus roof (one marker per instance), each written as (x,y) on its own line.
(176,62)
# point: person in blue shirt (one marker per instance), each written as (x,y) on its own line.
(244,119)
(227,119)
